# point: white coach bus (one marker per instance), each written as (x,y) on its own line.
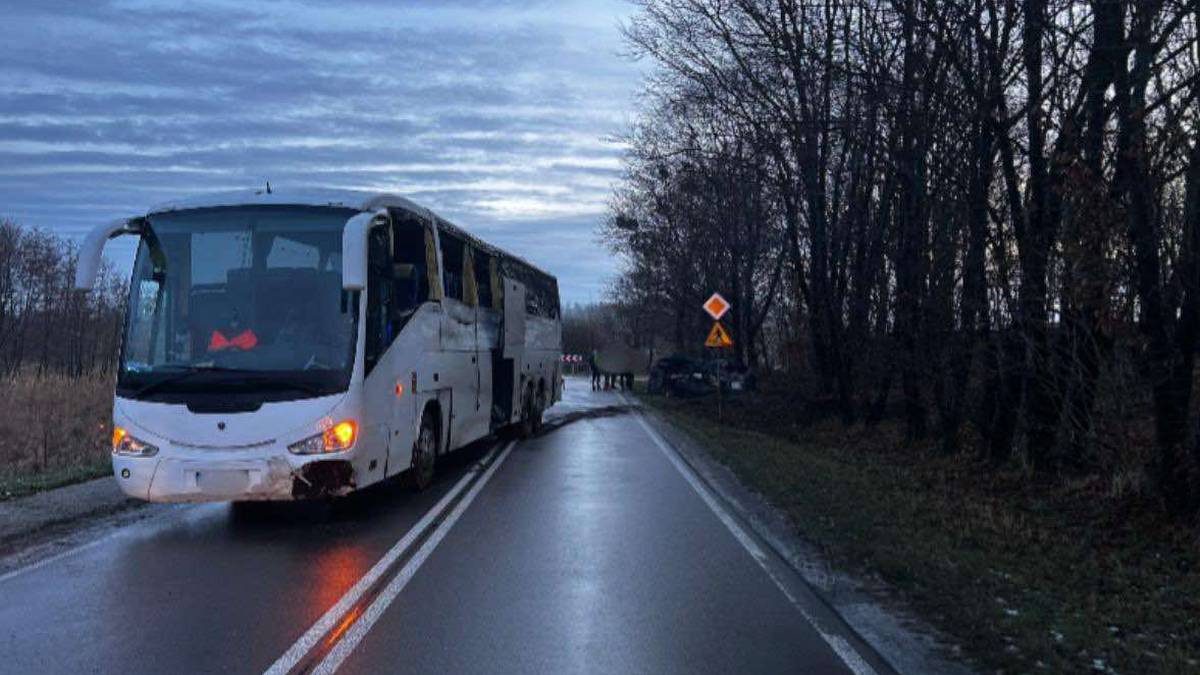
(304,345)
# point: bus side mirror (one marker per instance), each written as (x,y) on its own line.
(354,250)
(92,249)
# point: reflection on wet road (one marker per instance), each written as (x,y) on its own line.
(581,550)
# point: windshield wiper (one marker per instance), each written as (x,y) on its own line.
(182,371)
(286,383)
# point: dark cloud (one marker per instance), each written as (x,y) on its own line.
(492,111)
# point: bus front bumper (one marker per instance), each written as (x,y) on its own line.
(202,479)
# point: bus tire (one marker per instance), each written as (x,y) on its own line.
(537,413)
(525,426)
(424,459)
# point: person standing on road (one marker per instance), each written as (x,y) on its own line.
(595,371)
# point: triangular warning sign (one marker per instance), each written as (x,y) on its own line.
(718,336)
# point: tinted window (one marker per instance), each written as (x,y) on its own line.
(483,278)
(379,298)
(541,290)
(255,289)
(452,265)
(410,271)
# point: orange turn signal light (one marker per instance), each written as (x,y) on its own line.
(118,435)
(340,436)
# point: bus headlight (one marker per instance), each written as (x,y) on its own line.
(337,437)
(127,446)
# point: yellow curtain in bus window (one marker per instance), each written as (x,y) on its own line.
(431,264)
(718,336)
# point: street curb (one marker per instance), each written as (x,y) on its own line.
(870,610)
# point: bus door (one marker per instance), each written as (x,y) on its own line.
(507,374)
(459,340)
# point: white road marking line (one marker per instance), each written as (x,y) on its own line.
(334,614)
(55,558)
(150,521)
(333,660)
(837,643)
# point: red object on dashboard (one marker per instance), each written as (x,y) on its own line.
(243,340)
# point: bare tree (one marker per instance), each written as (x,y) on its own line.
(993,204)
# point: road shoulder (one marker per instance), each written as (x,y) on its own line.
(44,524)
(870,608)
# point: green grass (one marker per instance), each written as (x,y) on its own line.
(13,485)
(55,430)
(1026,576)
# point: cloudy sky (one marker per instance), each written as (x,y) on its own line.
(497,114)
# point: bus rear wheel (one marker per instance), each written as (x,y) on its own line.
(424,459)
(538,412)
(526,427)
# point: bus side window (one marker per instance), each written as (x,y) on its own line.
(411,277)
(483,278)
(553,303)
(452,265)
(379,297)
(533,289)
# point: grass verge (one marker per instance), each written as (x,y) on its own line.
(26,483)
(55,431)
(1028,577)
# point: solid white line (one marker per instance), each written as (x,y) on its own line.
(55,558)
(333,660)
(150,521)
(335,613)
(837,643)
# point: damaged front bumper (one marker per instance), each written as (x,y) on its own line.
(199,476)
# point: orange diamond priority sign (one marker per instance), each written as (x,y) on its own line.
(716,306)
(718,336)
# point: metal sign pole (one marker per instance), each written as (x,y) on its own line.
(718,338)
(719,418)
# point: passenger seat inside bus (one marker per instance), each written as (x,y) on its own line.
(275,293)
(405,288)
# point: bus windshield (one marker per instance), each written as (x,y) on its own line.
(240,299)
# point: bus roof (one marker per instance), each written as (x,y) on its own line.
(360,200)
(351,199)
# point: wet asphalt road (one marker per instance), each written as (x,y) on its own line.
(583,550)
